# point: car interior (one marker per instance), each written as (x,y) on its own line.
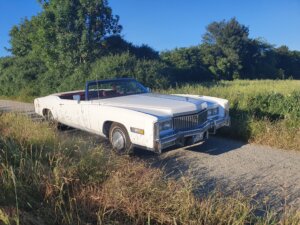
(93,94)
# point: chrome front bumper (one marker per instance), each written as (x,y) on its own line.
(201,133)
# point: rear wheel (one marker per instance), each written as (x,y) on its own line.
(50,119)
(119,139)
(49,116)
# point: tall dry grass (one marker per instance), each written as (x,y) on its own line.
(46,179)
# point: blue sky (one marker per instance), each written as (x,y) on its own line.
(166,24)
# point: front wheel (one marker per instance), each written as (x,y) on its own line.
(119,139)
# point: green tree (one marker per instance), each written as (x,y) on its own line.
(21,38)
(187,64)
(66,31)
(224,48)
(153,73)
(65,35)
(20,74)
(288,62)
(115,44)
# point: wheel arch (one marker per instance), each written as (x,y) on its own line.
(106,127)
(45,111)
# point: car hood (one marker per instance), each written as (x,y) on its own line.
(157,104)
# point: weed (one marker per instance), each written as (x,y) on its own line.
(68,181)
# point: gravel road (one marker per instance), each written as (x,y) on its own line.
(8,105)
(267,174)
(18,107)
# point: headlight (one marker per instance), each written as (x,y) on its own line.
(165,125)
(213,112)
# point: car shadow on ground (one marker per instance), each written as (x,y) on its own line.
(216,146)
(175,162)
(213,146)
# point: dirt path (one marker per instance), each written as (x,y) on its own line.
(8,105)
(19,107)
(266,173)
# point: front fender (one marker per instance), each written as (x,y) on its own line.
(100,114)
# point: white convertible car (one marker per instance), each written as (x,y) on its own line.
(126,113)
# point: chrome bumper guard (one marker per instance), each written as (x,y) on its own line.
(174,139)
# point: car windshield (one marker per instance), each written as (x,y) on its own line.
(114,88)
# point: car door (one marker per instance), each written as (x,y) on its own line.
(92,116)
(85,120)
(70,112)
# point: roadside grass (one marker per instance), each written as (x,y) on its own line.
(262,111)
(46,178)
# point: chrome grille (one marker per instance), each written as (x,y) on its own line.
(191,121)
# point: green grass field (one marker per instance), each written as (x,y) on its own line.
(232,89)
(49,179)
(262,111)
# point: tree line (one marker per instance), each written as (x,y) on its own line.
(71,41)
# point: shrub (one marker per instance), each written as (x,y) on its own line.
(275,105)
(17,74)
(152,73)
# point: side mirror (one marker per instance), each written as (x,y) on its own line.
(77,98)
(148,89)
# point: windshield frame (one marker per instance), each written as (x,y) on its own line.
(100,82)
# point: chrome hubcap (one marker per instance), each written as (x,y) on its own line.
(118,140)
